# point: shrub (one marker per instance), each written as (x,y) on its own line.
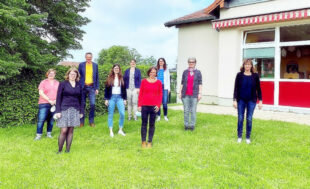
(19,95)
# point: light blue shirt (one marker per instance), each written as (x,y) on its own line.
(160,75)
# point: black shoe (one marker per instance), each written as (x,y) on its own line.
(59,152)
(67,151)
(186,128)
(192,128)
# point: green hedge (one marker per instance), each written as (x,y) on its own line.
(19,95)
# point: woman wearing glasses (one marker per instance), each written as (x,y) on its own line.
(190,93)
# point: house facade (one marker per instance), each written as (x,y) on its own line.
(275,34)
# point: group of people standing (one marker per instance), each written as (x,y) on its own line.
(66,101)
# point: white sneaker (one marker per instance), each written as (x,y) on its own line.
(111,134)
(166,118)
(121,132)
(239,140)
(158,118)
(248,141)
(49,135)
(38,137)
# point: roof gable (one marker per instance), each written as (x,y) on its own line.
(211,12)
(202,15)
(194,17)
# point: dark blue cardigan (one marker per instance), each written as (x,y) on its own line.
(108,92)
(68,96)
(137,78)
(256,90)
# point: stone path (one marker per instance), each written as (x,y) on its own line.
(258,114)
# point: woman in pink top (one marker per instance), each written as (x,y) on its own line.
(47,100)
(149,101)
(190,93)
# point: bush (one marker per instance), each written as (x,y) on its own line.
(19,95)
(19,98)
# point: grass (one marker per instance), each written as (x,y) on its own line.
(209,157)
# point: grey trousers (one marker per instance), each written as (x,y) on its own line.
(190,107)
(132,101)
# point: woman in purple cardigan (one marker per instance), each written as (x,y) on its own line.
(69,108)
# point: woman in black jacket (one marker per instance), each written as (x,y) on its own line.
(69,108)
(115,95)
(246,93)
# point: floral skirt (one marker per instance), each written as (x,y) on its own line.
(69,118)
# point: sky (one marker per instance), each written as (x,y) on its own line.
(137,24)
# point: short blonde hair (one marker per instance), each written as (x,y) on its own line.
(49,71)
(73,69)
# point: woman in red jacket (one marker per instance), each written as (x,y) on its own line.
(150,97)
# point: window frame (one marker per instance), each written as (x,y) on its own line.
(277,45)
(258,31)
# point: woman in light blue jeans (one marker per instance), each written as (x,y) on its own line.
(115,95)
(164,76)
(190,93)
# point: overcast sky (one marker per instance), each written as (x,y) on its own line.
(137,24)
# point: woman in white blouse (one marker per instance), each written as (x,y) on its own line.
(115,95)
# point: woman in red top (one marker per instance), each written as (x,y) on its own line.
(150,97)
(190,93)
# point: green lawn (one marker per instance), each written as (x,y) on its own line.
(209,157)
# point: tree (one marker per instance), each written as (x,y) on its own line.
(151,61)
(123,55)
(118,55)
(38,33)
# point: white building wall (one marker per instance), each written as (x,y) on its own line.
(229,64)
(200,41)
(264,7)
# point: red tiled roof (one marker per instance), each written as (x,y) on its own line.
(215,4)
(202,15)
(67,63)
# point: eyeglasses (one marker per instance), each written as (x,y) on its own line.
(192,62)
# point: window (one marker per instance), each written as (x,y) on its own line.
(295,33)
(260,36)
(295,62)
(263,60)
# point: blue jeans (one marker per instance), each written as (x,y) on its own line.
(90,91)
(190,107)
(249,106)
(164,102)
(119,102)
(45,114)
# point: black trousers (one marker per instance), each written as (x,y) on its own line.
(148,116)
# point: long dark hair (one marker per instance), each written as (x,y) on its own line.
(246,61)
(110,79)
(165,64)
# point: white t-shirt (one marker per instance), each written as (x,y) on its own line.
(116,89)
